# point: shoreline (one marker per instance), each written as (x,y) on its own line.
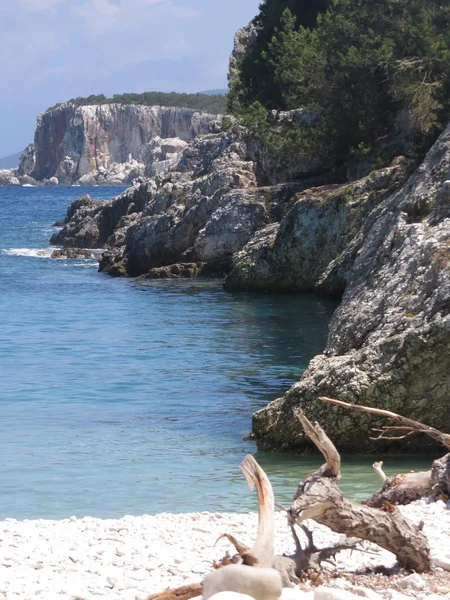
(132,557)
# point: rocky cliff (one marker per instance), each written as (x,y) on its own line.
(389,341)
(382,243)
(108,143)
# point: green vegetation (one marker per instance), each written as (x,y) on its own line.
(212,103)
(359,64)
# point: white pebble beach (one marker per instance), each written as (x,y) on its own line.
(132,557)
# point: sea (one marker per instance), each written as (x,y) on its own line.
(123,397)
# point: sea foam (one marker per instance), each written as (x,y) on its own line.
(29,252)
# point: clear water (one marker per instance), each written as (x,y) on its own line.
(119,397)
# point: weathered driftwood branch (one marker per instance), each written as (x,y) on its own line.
(318,497)
(408,425)
(407,487)
(261,554)
(378,468)
(264,547)
(182,593)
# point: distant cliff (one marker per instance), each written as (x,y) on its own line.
(105,143)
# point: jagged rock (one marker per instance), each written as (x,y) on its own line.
(161,155)
(309,249)
(182,270)
(389,341)
(106,141)
(8,177)
(27,161)
(231,226)
(72,253)
(27,180)
(243,39)
(177,216)
(90,223)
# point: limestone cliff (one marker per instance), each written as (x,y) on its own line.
(105,143)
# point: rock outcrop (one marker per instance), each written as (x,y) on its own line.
(389,341)
(9,177)
(107,143)
(315,243)
(243,39)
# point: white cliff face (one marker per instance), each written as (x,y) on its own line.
(77,142)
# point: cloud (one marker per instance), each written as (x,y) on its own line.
(39,6)
(106,16)
(98,15)
(23,51)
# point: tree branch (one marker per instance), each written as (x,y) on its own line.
(414,426)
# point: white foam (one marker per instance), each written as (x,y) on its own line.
(28,185)
(29,252)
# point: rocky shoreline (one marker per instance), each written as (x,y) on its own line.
(132,557)
(381,243)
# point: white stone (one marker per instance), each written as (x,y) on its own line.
(326,593)
(412,582)
(442,561)
(231,596)
(295,594)
(261,584)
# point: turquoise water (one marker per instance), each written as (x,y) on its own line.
(118,397)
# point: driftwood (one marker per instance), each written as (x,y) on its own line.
(318,497)
(404,488)
(262,554)
(186,592)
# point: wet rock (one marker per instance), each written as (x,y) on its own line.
(72,253)
(177,271)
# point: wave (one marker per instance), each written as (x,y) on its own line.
(28,185)
(29,252)
(45,253)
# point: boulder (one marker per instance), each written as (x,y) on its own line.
(259,583)
(8,177)
(27,180)
(72,253)
(183,270)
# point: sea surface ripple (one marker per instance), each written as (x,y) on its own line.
(120,397)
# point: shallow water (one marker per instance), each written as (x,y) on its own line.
(118,397)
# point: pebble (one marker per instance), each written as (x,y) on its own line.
(412,582)
(132,557)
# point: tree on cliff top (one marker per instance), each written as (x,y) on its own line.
(255,73)
(362,62)
(212,103)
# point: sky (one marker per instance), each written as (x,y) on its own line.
(54,50)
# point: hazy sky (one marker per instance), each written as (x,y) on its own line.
(54,50)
